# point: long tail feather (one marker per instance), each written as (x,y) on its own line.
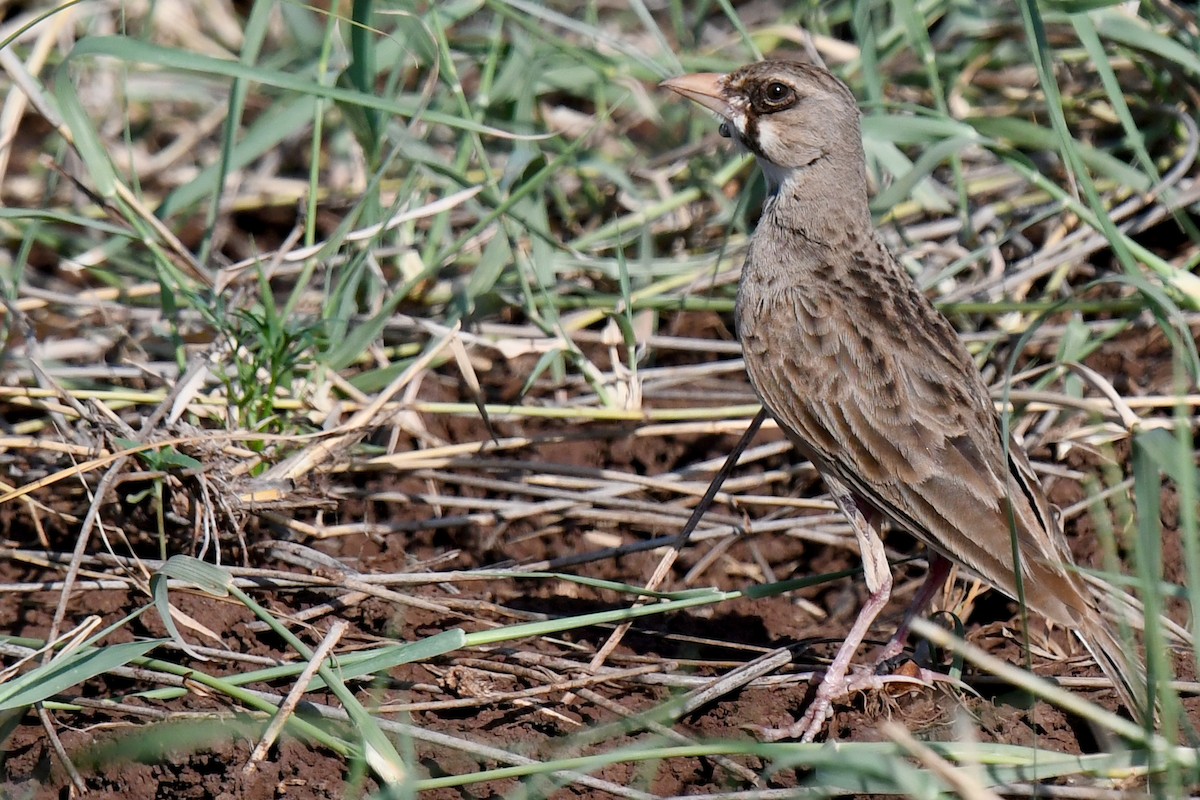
(1114,659)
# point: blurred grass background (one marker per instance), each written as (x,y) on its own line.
(239,235)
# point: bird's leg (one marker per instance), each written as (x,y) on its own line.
(878,575)
(935,579)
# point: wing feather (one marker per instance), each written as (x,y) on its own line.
(907,423)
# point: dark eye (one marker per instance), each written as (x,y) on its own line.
(723,129)
(777,94)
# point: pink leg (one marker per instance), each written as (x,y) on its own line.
(878,575)
(939,570)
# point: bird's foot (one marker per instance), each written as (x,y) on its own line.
(820,710)
(813,722)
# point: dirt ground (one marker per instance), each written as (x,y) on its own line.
(119,756)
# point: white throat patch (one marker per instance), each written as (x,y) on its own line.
(768,142)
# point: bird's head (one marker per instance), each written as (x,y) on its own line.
(790,115)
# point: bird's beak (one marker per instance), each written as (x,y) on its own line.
(702,87)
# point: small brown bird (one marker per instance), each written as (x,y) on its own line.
(872,384)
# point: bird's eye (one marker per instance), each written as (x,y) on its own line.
(723,129)
(777,94)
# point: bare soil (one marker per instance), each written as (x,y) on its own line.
(119,755)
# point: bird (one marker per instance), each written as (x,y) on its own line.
(873,385)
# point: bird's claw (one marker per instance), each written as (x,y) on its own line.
(805,729)
(820,710)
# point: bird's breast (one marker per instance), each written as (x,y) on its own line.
(792,336)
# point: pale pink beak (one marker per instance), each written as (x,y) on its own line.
(702,87)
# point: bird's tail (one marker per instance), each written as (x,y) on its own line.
(1123,608)
(1120,663)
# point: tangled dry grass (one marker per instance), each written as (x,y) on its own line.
(419,327)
